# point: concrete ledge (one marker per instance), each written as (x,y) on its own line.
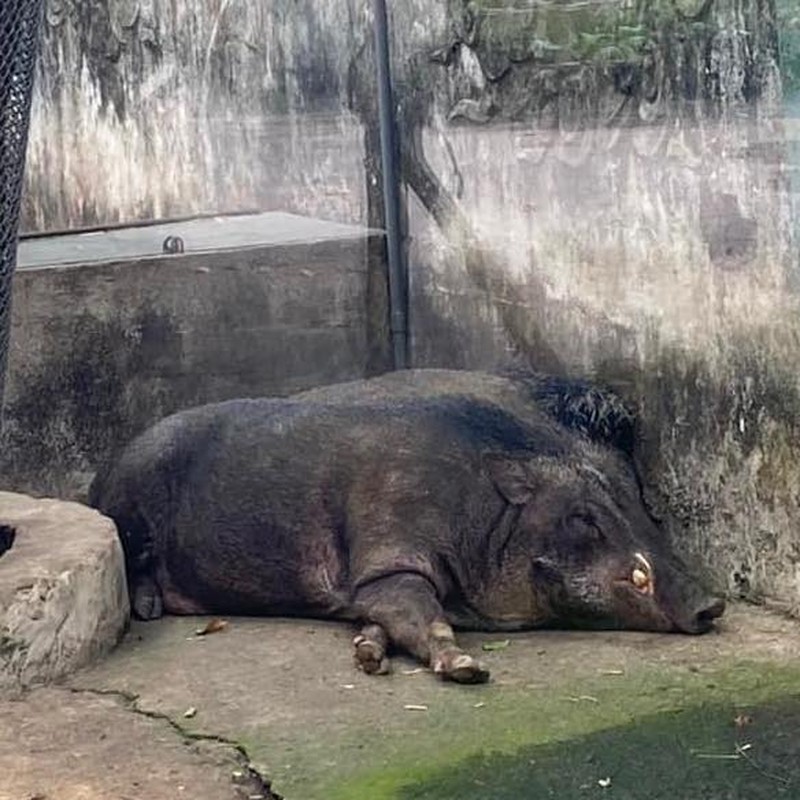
(101,348)
(63,594)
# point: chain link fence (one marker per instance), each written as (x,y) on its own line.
(19,41)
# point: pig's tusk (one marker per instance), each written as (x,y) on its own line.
(644,563)
(642,575)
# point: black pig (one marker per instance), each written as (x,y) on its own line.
(408,503)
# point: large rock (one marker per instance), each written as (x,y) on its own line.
(63,594)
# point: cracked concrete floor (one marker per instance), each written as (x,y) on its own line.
(565,711)
(58,744)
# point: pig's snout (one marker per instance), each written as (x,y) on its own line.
(701,619)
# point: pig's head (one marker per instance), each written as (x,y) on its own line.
(595,555)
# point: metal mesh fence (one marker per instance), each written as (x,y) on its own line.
(19,40)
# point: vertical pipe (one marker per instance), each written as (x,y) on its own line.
(398,272)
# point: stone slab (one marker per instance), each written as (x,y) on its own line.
(201,235)
(63,594)
(100,350)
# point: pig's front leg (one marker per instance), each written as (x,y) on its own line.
(371,646)
(403,610)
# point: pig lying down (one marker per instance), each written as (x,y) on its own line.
(410,504)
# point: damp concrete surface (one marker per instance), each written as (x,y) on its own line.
(275,705)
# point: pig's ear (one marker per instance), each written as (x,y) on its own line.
(515,478)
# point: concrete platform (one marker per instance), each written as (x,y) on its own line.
(109,334)
(199,235)
(63,596)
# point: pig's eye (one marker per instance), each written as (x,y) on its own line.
(585,528)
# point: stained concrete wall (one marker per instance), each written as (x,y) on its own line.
(153,109)
(602,191)
(101,348)
(593,188)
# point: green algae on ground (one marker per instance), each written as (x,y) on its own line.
(695,753)
(489,743)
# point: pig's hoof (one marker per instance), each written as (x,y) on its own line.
(370,656)
(461,668)
(147,602)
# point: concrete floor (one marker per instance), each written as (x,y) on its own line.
(567,714)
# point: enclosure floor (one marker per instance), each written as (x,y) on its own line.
(567,715)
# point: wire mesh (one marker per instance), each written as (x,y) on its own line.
(19,40)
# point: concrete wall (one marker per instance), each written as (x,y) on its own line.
(102,350)
(153,108)
(594,188)
(623,212)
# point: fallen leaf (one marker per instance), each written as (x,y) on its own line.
(215,626)
(604,782)
(190,712)
(611,672)
(412,707)
(479,705)
(501,645)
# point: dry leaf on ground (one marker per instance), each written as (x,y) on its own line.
(490,646)
(214,626)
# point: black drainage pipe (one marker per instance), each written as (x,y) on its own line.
(398,271)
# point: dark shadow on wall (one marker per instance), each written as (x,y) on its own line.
(82,402)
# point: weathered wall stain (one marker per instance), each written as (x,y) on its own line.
(150,108)
(607,197)
(75,403)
